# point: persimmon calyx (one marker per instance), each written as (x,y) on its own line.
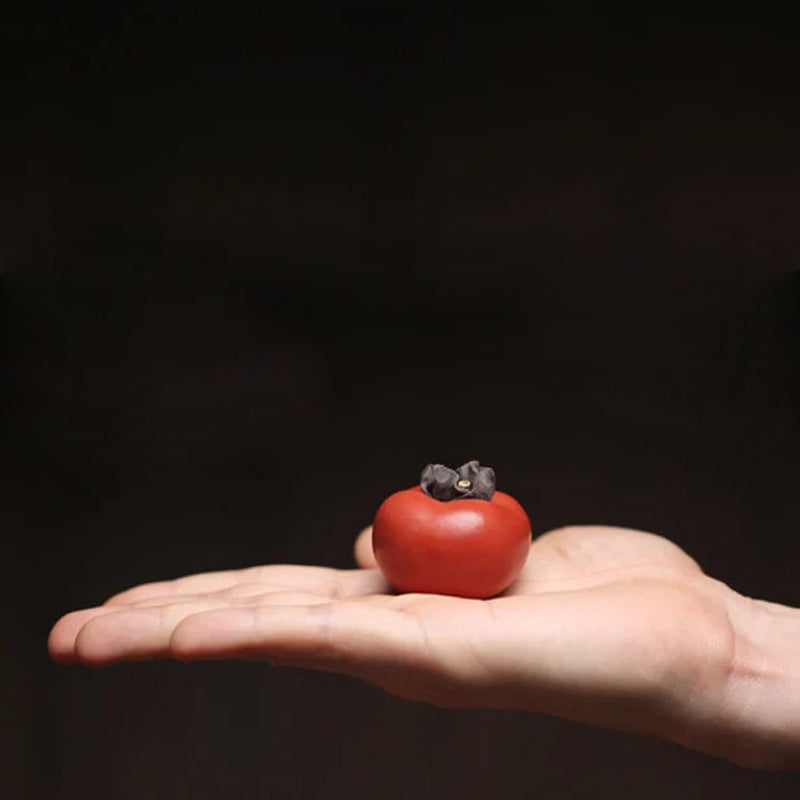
(470,480)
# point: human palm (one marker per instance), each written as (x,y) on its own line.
(608,626)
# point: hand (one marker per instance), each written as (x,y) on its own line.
(608,626)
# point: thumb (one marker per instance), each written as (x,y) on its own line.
(365,558)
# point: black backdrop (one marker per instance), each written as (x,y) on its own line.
(247,250)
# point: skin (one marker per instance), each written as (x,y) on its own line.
(607,626)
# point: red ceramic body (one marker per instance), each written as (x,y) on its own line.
(467,548)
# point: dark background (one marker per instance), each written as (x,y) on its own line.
(248,250)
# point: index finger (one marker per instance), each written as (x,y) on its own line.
(324,581)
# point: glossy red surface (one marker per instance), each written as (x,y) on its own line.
(468,548)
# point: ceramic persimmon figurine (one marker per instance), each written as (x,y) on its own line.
(452,534)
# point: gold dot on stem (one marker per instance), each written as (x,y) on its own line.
(463,484)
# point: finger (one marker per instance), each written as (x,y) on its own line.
(233,600)
(365,558)
(132,633)
(201,583)
(61,641)
(325,581)
(238,593)
(353,638)
(144,631)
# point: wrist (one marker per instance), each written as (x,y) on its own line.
(757,720)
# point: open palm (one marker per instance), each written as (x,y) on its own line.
(608,626)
